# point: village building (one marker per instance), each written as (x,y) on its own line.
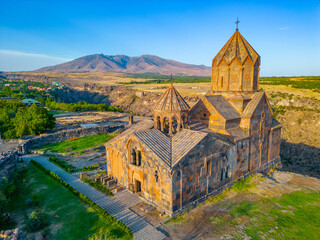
(186,154)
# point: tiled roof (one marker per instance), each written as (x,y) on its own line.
(252,105)
(223,106)
(158,142)
(236,47)
(237,133)
(170,150)
(183,142)
(171,100)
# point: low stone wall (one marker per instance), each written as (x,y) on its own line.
(65,135)
(8,163)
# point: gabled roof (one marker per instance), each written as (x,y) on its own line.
(252,105)
(183,142)
(171,100)
(159,143)
(223,106)
(237,134)
(238,48)
(275,123)
(170,150)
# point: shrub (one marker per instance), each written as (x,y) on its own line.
(36,221)
(90,168)
(61,164)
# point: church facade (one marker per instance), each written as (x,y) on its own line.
(186,154)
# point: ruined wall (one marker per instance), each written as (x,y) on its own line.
(65,135)
(8,163)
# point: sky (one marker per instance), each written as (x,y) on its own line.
(35,34)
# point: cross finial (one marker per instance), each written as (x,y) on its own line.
(237,23)
(171,78)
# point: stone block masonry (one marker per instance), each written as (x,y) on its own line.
(8,163)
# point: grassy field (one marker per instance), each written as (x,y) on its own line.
(69,218)
(258,208)
(77,144)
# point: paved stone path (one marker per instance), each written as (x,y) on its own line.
(117,206)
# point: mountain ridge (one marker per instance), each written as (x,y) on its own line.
(122,63)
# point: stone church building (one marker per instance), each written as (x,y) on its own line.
(186,154)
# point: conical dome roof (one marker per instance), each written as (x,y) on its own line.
(171,100)
(236,47)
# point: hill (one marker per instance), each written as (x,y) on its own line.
(126,64)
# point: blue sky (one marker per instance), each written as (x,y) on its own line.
(35,34)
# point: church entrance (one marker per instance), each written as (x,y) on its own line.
(137,187)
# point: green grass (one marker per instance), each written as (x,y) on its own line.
(68,216)
(292,216)
(78,144)
(62,164)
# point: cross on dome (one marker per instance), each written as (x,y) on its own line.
(237,23)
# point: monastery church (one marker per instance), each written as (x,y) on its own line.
(186,154)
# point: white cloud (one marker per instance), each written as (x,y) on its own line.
(19,53)
(284,28)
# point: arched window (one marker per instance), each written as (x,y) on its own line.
(228,172)
(138,162)
(221,81)
(222,174)
(134,151)
(156,176)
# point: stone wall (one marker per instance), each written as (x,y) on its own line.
(276,163)
(152,173)
(65,135)
(8,163)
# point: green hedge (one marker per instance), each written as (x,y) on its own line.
(90,168)
(85,199)
(97,185)
(61,164)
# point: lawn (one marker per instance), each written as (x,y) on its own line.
(292,216)
(251,209)
(78,144)
(69,218)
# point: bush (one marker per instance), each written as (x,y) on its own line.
(36,221)
(81,106)
(61,164)
(90,168)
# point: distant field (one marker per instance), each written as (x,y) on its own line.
(77,144)
(310,82)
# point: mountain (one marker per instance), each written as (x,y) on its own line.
(126,64)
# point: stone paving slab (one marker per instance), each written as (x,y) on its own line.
(117,206)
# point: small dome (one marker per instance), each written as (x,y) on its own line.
(236,47)
(171,100)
